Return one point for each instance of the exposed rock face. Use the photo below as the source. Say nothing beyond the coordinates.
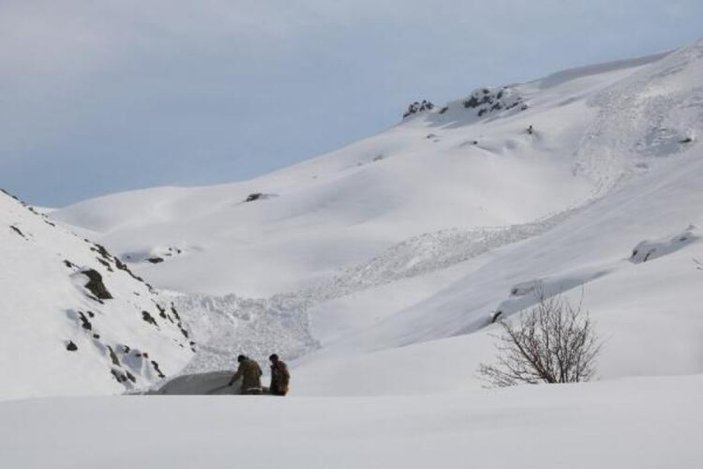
(417, 107)
(149, 318)
(95, 284)
(487, 101)
(254, 196)
(482, 103)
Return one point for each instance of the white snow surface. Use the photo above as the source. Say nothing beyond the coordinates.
(45, 305)
(375, 271)
(648, 423)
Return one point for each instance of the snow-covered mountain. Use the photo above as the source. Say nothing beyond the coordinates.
(377, 271)
(424, 231)
(75, 319)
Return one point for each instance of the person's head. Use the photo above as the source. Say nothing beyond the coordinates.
(241, 358)
(273, 358)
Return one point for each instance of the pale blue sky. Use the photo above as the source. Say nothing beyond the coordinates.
(112, 95)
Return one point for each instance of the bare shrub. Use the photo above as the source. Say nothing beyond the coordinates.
(554, 342)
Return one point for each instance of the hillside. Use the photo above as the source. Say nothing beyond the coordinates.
(418, 235)
(76, 320)
(377, 271)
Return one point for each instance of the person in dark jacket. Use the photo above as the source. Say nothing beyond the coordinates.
(280, 378)
(250, 374)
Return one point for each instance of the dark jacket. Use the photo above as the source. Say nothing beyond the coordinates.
(280, 378)
(250, 374)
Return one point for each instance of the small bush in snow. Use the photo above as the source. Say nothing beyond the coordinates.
(554, 342)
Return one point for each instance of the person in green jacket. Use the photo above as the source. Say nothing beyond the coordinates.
(250, 374)
(280, 377)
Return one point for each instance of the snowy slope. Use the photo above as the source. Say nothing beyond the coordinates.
(375, 271)
(437, 170)
(388, 249)
(341, 209)
(74, 319)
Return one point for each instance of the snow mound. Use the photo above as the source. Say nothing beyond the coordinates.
(212, 383)
(650, 250)
(155, 255)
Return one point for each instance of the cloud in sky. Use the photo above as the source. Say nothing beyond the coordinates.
(97, 97)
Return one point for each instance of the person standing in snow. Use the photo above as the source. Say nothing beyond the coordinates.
(280, 378)
(250, 373)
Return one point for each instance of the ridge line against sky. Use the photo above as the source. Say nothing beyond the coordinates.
(99, 97)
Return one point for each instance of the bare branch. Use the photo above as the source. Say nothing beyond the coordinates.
(554, 342)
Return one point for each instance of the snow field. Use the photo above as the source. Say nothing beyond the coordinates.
(617, 424)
